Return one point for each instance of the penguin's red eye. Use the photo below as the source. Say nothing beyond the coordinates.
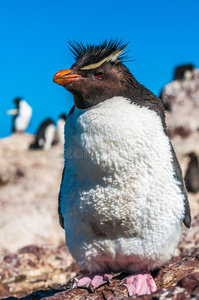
(99, 75)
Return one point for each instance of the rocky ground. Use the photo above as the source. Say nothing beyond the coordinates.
(35, 264)
(46, 270)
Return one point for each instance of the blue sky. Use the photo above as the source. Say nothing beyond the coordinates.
(34, 35)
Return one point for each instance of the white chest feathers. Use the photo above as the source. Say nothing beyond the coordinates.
(24, 116)
(122, 206)
(60, 131)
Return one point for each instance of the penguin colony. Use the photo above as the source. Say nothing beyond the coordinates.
(123, 202)
(47, 134)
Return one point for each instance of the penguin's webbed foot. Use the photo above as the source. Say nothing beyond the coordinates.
(139, 284)
(93, 281)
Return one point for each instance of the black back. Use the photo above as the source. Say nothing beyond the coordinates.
(16, 102)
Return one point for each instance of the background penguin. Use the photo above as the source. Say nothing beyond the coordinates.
(60, 128)
(192, 174)
(21, 115)
(183, 72)
(123, 203)
(45, 135)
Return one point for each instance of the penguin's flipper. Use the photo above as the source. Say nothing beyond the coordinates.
(71, 110)
(179, 178)
(61, 219)
(12, 112)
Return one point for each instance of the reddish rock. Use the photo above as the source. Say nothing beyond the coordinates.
(182, 98)
(176, 280)
(190, 282)
(33, 267)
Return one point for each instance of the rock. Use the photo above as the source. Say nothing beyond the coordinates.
(35, 267)
(29, 187)
(189, 243)
(190, 282)
(181, 285)
(182, 96)
(4, 176)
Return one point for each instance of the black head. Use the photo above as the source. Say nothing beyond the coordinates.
(181, 71)
(63, 116)
(98, 73)
(17, 101)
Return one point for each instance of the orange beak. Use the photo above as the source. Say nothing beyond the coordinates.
(65, 77)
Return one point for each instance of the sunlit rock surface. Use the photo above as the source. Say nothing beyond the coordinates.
(29, 187)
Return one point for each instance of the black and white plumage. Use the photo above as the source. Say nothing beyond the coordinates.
(192, 174)
(21, 115)
(122, 198)
(45, 136)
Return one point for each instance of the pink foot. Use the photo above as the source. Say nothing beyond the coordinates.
(139, 284)
(93, 281)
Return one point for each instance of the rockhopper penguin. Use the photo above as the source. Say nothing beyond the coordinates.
(122, 201)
